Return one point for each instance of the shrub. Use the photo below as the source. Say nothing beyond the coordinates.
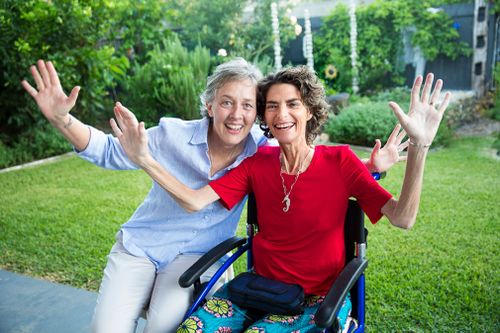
(40, 142)
(361, 124)
(169, 83)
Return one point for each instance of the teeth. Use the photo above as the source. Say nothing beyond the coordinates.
(234, 127)
(282, 126)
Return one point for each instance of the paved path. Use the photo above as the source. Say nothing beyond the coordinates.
(29, 305)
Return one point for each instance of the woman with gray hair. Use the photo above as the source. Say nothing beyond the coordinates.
(161, 240)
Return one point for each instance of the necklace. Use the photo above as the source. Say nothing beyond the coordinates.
(286, 198)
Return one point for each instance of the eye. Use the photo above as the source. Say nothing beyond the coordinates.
(271, 107)
(226, 103)
(293, 105)
(248, 106)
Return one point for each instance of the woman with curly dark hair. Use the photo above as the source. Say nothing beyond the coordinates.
(302, 194)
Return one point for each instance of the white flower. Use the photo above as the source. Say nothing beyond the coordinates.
(298, 29)
(222, 53)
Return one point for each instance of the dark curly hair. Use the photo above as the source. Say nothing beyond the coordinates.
(311, 91)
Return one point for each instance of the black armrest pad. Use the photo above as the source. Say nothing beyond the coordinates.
(326, 314)
(208, 259)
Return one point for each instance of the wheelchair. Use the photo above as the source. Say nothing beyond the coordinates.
(351, 280)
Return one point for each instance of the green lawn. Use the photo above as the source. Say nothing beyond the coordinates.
(58, 222)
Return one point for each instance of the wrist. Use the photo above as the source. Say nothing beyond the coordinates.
(62, 122)
(371, 166)
(419, 145)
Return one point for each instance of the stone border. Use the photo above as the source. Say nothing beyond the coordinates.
(39, 162)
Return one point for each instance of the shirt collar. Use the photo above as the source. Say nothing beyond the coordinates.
(200, 134)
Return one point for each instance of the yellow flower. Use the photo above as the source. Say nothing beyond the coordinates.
(330, 72)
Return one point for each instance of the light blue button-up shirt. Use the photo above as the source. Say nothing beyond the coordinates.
(160, 229)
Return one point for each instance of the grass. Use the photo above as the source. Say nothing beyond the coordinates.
(58, 222)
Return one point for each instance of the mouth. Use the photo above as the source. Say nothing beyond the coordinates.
(233, 128)
(284, 126)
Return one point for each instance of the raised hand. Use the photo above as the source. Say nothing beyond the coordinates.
(131, 134)
(422, 121)
(382, 159)
(49, 95)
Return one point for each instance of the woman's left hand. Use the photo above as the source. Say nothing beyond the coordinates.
(422, 121)
(131, 134)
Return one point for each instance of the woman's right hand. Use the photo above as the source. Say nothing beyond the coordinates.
(49, 95)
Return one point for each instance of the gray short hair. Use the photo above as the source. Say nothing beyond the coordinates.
(236, 69)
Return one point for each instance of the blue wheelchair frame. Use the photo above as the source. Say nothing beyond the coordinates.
(351, 279)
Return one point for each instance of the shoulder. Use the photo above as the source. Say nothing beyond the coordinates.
(334, 152)
(267, 151)
(178, 124)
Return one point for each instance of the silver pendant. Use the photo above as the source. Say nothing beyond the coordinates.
(286, 200)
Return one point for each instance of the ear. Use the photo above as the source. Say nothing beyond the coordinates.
(209, 109)
(309, 115)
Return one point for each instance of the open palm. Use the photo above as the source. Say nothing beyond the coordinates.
(422, 121)
(49, 95)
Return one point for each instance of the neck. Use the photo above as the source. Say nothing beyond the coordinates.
(295, 159)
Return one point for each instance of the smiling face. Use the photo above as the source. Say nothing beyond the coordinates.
(233, 112)
(285, 114)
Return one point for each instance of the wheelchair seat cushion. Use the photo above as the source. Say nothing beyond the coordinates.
(250, 290)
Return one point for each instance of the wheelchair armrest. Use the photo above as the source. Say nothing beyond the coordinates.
(327, 312)
(194, 272)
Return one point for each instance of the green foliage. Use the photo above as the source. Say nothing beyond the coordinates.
(211, 23)
(38, 143)
(90, 43)
(169, 83)
(494, 112)
(222, 24)
(379, 41)
(361, 124)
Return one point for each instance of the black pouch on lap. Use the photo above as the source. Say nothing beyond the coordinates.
(250, 290)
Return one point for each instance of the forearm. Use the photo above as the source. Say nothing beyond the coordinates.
(190, 199)
(403, 212)
(76, 132)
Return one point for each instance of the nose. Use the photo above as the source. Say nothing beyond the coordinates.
(237, 111)
(282, 109)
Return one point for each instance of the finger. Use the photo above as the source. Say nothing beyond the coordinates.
(376, 148)
(404, 145)
(445, 102)
(120, 119)
(415, 90)
(115, 128)
(402, 117)
(32, 91)
(37, 78)
(437, 91)
(54, 78)
(45, 74)
(142, 130)
(73, 96)
(394, 134)
(127, 114)
(400, 137)
(402, 158)
(427, 88)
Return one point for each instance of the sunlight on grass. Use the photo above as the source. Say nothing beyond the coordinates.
(58, 222)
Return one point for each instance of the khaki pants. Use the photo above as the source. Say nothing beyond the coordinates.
(131, 283)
